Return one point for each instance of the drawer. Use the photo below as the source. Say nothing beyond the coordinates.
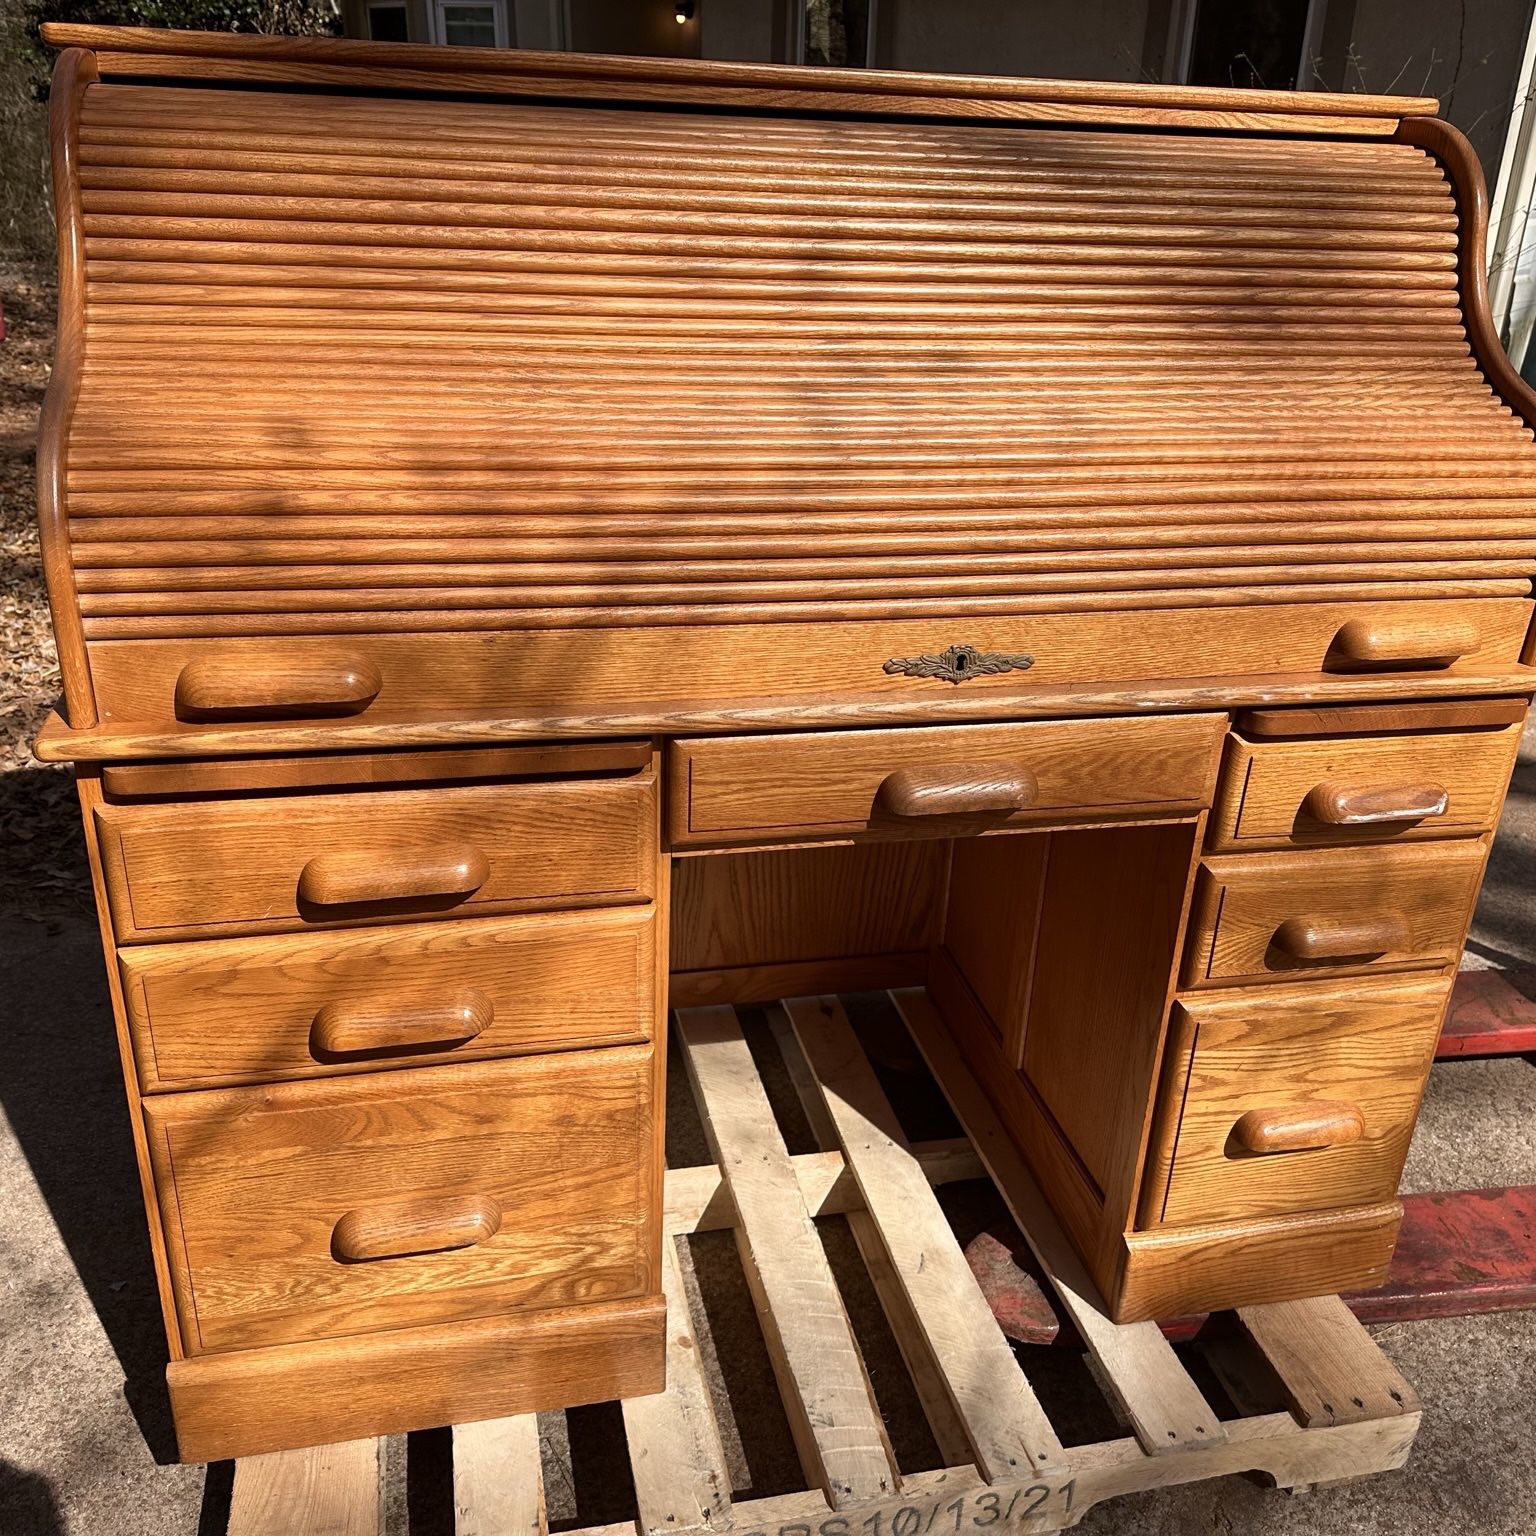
(1343, 789)
(269, 863)
(312, 1210)
(1331, 911)
(939, 780)
(1293, 1100)
(305, 1005)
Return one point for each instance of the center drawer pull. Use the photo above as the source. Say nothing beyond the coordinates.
(345, 685)
(347, 879)
(360, 1028)
(957, 789)
(1312, 939)
(1342, 805)
(1308, 1128)
(415, 1226)
(1372, 644)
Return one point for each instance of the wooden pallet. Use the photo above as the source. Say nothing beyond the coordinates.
(1348, 1411)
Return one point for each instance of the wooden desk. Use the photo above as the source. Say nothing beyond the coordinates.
(531, 534)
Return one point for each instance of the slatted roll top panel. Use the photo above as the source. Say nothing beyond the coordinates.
(357, 364)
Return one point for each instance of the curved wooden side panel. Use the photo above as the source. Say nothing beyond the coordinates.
(1450, 147)
(75, 71)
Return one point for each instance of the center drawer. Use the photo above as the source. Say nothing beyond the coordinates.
(938, 780)
(266, 863)
(227, 1011)
(1296, 1099)
(313, 1210)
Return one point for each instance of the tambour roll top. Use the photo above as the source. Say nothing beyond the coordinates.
(367, 366)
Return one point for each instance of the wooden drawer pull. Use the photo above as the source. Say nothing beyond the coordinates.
(1306, 939)
(343, 685)
(415, 1226)
(1366, 644)
(957, 789)
(1306, 1129)
(363, 1028)
(349, 879)
(1345, 805)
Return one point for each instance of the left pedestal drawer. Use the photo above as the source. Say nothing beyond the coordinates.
(305, 1211)
(275, 863)
(228, 1011)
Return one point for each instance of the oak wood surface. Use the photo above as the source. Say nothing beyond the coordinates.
(316, 770)
(217, 867)
(1380, 719)
(1266, 798)
(128, 741)
(74, 73)
(791, 906)
(835, 783)
(585, 68)
(561, 677)
(1241, 1263)
(255, 1181)
(1289, 1052)
(1320, 912)
(228, 1011)
(244, 1402)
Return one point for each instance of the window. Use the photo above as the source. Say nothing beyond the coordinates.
(470, 23)
(386, 22)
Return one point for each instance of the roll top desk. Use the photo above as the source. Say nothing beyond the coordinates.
(532, 535)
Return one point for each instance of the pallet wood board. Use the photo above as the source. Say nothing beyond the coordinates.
(1350, 1413)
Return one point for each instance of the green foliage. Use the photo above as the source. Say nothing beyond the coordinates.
(288, 16)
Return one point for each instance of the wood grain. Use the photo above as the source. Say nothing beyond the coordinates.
(72, 75)
(551, 680)
(826, 1394)
(1007, 1428)
(229, 1011)
(1242, 1263)
(1321, 912)
(255, 1180)
(328, 1490)
(215, 867)
(245, 1402)
(498, 1484)
(1267, 785)
(791, 906)
(1287, 1051)
(833, 783)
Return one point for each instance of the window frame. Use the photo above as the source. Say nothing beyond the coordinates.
(500, 10)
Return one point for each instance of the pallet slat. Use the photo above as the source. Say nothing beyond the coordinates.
(831, 1408)
(327, 1490)
(498, 1486)
(1159, 1398)
(1003, 1419)
(927, 1376)
(675, 1454)
(1329, 1367)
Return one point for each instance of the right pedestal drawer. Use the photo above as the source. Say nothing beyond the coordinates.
(1361, 788)
(1289, 1100)
(1331, 911)
(314, 1210)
